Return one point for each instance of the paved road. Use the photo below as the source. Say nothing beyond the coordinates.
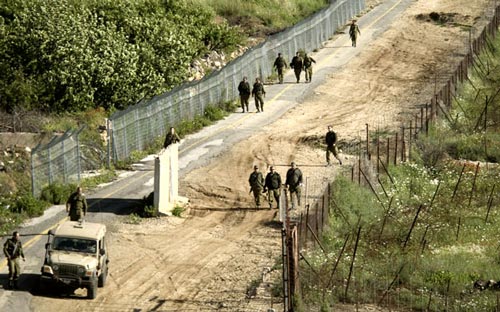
(196, 150)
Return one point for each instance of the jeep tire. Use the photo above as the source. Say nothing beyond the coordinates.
(92, 290)
(103, 276)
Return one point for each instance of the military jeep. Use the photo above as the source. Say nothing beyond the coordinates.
(76, 256)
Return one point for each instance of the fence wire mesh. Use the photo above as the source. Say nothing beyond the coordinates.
(56, 162)
(134, 128)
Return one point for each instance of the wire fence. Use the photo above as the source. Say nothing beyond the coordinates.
(139, 125)
(56, 162)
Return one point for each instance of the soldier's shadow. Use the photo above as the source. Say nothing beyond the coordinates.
(26, 282)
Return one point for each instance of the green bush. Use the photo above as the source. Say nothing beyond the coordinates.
(126, 51)
(28, 205)
(57, 193)
(177, 211)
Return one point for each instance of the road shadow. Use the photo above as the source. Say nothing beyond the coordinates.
(117, 206)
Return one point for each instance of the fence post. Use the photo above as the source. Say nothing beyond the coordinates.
(409, 141)
(367, 143)
(396, 150)
(388, 152)
(403, 149)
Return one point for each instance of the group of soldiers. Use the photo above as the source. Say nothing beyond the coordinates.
(298, 63)
(259, 93)
(272, 183)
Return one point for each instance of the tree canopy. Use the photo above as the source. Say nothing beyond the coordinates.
(72, 55)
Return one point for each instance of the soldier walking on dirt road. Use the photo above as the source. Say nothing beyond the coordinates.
(256, 182)
(297, 65)
(308, 67)
(280, 64)
(244, 89)
(258, 93)
(13, 250)
(294, 183)
(354, 32)
(76, 205)
(273, 187)
(331, 145)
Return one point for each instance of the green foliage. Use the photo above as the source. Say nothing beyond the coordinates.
(104, 176)
(29, 206)
(177, 211)
(264, 16)
(74, 55)
(133, 219)
(57, 193)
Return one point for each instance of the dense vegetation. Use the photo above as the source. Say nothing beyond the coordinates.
(431, 231)
(72, 55)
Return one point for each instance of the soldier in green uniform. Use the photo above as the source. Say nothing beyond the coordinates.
(297, 65)
(76, 205)
(13, 250)
(244, 89)
(280, 64)
(354, 32)
(308, 67)
(273, 187)
(331, 146)
(171, 138)
(258, 93)
(256, 182)
(294, 183)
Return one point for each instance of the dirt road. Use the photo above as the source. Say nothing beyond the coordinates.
(208, 260)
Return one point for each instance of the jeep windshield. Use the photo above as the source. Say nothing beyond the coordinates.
(74, 244)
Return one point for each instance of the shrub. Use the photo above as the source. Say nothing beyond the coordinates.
(178, 211)
(57, 193)
(27, 204)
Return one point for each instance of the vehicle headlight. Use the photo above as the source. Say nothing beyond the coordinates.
(81, 270)
(55, 267)
(47, 269)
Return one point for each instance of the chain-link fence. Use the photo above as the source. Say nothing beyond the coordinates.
(56, 162)
(134, 128)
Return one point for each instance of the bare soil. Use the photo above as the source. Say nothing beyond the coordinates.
(221, 255)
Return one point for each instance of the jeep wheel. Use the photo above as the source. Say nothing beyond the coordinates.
(92, 290)
(103, 276)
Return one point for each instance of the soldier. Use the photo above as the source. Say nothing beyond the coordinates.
(308, 67)
(76, 205)
(171, 138)
(280, 64)
(294, 183)
(273, 187)
(354, 32)
(297, 65)
(258, 93)
(331, 146)
(256, 184)
(244, 89)
(13, 249)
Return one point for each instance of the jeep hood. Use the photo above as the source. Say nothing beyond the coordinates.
(86, 260)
